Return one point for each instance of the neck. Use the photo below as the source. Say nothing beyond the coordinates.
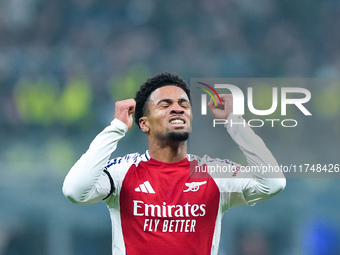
(168, 152)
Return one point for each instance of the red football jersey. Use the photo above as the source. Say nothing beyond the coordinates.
(167, 208)
(162, 208)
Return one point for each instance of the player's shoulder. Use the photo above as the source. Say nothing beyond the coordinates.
(128, 159)
(207, 159)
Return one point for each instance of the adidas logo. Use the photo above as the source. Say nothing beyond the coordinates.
(145, 188)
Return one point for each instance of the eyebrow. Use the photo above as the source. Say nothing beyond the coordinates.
(168, 100)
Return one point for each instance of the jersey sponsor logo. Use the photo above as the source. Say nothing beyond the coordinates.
(145, 187)
(194, 186)
(152, 225)
(168, 218)
(164, 211)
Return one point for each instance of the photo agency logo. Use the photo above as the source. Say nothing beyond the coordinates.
(295, 96)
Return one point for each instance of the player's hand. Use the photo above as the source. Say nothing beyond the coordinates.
(221, 111)
(124, 110)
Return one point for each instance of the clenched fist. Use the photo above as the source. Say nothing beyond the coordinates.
(124, 110)
(222, 111)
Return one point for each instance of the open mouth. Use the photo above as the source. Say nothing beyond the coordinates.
(177, 121)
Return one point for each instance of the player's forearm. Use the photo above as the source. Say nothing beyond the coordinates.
(267, 183)
(81, 183)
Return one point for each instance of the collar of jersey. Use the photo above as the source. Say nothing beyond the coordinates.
(147, 156)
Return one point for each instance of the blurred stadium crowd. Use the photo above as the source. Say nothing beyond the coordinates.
(100, 40)
(63, 64)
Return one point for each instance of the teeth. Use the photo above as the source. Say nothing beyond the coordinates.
(177, 122)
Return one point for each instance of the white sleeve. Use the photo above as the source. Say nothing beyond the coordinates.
(87, 182)
(253, 185)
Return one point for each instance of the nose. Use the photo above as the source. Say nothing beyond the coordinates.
(176, 109)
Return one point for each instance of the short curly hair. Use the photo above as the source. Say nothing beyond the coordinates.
(153, 83)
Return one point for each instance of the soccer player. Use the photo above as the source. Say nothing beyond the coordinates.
(156, 207)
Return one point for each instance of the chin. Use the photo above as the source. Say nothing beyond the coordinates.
(178, 136)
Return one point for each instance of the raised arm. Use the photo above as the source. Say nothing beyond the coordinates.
(254, 185)
(87, 182)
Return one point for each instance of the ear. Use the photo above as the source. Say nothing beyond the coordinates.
(143, 124)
